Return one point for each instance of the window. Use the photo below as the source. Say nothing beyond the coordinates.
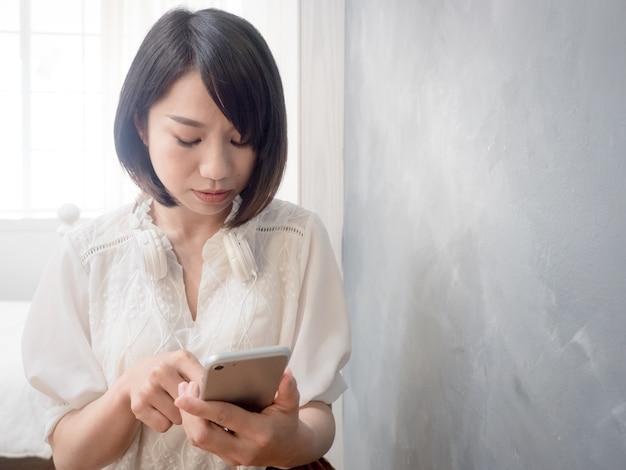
(53, 144)
(65, 62)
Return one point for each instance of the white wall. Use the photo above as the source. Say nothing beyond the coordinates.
(25, 247)
(484, 246)
(321, 133)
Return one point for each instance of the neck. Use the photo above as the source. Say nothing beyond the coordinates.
(178, 223)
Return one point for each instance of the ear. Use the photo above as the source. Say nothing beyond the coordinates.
(141, 129)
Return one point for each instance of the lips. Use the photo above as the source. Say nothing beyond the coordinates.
(212, 197)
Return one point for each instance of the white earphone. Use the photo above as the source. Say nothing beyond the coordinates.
(237, 249)
(240, 256)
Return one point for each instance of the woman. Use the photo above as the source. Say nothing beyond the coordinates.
(205, 261)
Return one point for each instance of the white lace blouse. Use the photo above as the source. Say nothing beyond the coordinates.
(96, 312)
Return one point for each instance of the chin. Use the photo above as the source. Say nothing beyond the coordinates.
(209, 209)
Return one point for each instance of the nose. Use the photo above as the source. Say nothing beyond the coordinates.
(214, 161)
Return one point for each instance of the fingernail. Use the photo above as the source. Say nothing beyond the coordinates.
(193, 390)
(182, 388)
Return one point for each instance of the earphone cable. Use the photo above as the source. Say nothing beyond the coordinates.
(242, 315)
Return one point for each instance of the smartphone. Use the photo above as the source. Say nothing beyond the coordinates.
(248, 378)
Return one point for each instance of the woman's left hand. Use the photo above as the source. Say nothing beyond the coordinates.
(273, 437)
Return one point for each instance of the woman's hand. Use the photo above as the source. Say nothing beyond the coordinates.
(99, 433)
(278, 436)
(152, 386)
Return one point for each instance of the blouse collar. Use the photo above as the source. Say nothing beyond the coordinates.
(140, 215)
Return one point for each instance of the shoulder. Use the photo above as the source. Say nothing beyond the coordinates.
(105, 231)
(290, 225)
(284, 216)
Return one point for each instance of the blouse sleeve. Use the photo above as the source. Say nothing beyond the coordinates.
(57, 356)
(322, 337)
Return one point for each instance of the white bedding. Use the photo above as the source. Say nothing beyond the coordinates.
(21, 420)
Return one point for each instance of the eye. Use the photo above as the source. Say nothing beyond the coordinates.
(239, 144)
(187, 144)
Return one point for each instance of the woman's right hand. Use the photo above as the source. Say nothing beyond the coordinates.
(99, 433)
(151, 386)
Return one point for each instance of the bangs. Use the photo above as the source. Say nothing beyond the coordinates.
(239, 105)
(233, 71)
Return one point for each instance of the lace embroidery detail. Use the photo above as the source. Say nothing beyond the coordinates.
(282, 228)
(104, 246)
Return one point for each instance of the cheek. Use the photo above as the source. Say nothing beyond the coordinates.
(166, 162)
(246, 165)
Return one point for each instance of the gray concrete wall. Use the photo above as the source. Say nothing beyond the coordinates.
(485, 234)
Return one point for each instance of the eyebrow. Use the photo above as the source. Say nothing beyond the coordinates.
(185, 121)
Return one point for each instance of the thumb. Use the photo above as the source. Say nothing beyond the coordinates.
(287, 397)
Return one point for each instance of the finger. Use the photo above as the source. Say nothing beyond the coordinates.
(154, 396)
(153, 416)
(192, 390)
(155, 420)
(188, 366)
(161, 391)
(215, 411)
(212, 438)
(287, 397)
(225, 415)
(164, 403)
(181, 365)
(201, 432)
(182, 388)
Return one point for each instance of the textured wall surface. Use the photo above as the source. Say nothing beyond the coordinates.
(485, 234)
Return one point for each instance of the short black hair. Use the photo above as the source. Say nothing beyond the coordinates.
(240, 74)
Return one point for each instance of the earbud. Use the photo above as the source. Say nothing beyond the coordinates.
(237, 250)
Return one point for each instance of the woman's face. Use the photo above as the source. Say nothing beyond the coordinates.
(195, 151)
